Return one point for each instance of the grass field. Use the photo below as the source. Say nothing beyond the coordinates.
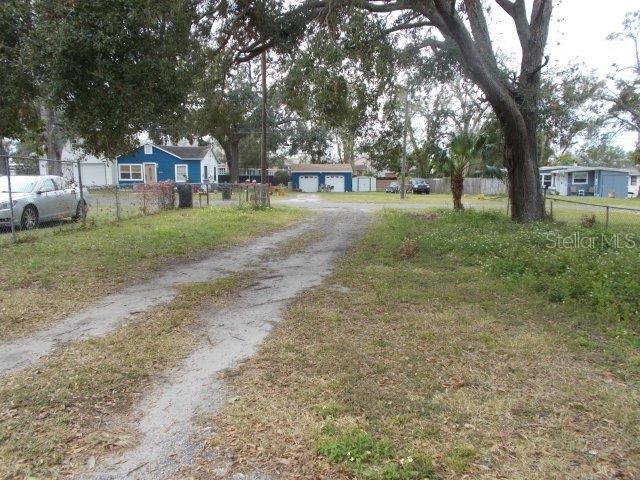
(571, 212)
(457, 346)
(435, 200)
(49, 275)
(438, 199)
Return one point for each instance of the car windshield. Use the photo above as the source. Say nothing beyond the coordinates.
(18, 184)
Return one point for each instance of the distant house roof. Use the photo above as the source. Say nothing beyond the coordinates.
(552, 168)
(593, 169)
(322, 167)
(186, 153)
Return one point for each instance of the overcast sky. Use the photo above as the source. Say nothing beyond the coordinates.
(579, 35)
(580, 32)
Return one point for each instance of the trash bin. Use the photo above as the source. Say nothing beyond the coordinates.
(226, 192)
(185, 196)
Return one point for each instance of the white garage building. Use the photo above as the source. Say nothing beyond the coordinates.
(96, 171)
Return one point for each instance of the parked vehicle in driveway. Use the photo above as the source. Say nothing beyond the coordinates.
(419, 186)
(40, 198)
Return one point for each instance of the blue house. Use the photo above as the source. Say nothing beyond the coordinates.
(311, 177)
(152, 163)
(586, 181)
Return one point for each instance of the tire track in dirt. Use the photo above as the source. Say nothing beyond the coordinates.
(116, 309)
(164, 418)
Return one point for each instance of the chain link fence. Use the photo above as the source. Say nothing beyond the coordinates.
(621, 214)
(38, 193)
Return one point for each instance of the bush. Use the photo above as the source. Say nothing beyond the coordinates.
(281, 178)
(160, 195)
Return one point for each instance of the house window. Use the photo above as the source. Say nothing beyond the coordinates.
(206, 172)
(546, 180)
(182, 173)
(580, 178)
(222, 170)
(148, 149)
(634, 180)
(130, 172)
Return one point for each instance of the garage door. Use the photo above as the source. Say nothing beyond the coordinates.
(336, 181)
(365, 184)
(94, 174)
(309, 183)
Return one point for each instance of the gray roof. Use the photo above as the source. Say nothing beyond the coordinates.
(577, 168)
(186, 153)
(321, 167)
(592, 169)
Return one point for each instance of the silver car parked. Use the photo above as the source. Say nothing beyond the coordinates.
(40, 198)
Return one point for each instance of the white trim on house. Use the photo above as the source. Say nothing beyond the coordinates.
(186, 174)
(144, 170)
(586, 178)
(148, 149)
(120, 179)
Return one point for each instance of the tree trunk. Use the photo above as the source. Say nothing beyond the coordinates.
(231, 152)
(3, 159)
(457, 187)
(521, 162)
(52, 150)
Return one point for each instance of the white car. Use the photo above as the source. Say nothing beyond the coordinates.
(40, 198)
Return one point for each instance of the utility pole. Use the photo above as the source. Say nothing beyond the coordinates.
(403, 165)
(263, 133)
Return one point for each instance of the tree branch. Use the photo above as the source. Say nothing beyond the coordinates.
(407, 26)
(480, 31)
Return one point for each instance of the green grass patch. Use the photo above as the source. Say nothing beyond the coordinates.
(65, 270)
(359, 453)
(582, 266)
(446, 346)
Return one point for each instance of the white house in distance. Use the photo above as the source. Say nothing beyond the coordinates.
(96, 171)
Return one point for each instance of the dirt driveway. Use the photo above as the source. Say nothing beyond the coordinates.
(279, 267)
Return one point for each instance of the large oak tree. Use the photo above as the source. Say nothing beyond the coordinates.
(462, 29)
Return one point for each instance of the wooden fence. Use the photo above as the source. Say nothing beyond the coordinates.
(472, 186)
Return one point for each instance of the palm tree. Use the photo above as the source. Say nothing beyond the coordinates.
(465, 150)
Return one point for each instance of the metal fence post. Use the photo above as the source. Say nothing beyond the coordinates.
(13, 225)
(551, 209)
(83, 206)
(144, 200)
(117, 203)
(606, 221)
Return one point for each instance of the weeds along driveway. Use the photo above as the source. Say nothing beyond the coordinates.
(116, 309)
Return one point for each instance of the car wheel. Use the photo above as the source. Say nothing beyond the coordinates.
(30, 219)
(81, 211)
